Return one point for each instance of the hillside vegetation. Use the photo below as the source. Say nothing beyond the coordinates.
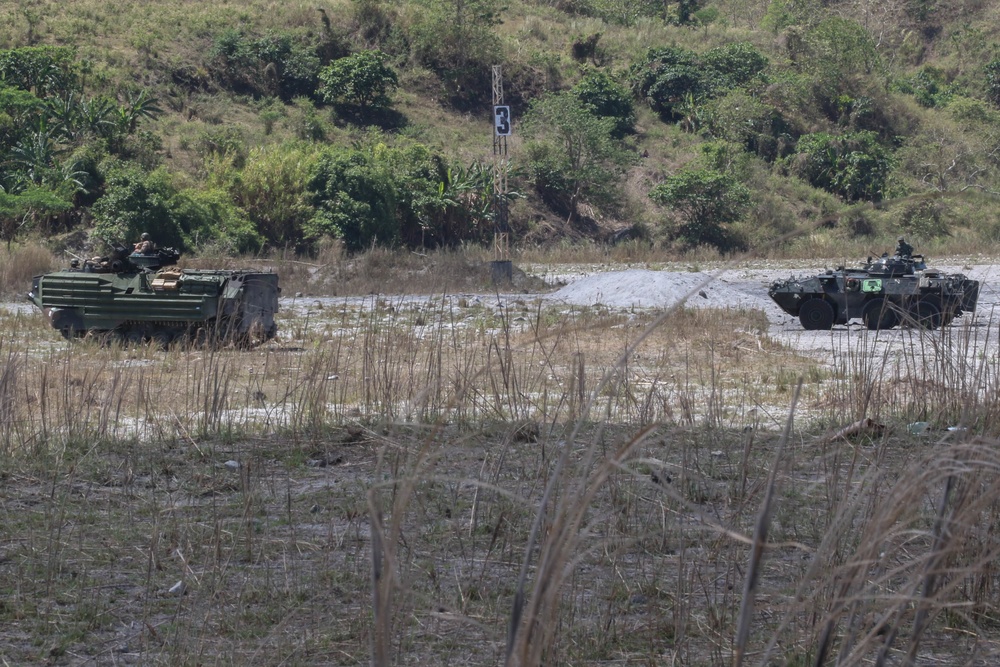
(783, 126)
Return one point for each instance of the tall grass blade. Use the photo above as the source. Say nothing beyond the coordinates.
(759, 540)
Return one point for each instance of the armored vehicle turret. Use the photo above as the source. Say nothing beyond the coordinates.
(885, 292)
(138, 298)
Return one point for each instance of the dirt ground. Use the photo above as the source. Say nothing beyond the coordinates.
(241, 550)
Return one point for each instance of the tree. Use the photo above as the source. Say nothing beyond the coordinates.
(572, 153)
(669, 78)
(665, 77)
(35, 165)
(992, 70)
(18, 211)
(134, 202)
(841, 56)
(209, 217)
(354, 201)
(383, 193)
(734, 64)
(363, 79)
(460, 208)
(706, 201)
(276, 64)
(743, 119)
(685, 8)
(269, 185)
(604, 98)
(42, 70)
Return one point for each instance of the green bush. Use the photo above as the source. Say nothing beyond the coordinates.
(854, 165)
(20, 211)
(353, 200)
(216, 141)
(667, 77)
(928, 86)
(572, 154)
(134, 202)
(208, 218)
(269, 188)
(782, 14)
(992, 76)
(841, 56)
(19, 114)
(382, 194)
(457, 40)
(605, 98)
(706, 201)
(85, 163)
(734, 64)
(277, 64)
(972, 110)
(362, 78)
(43, 70)
(742, 118)
(925, 219)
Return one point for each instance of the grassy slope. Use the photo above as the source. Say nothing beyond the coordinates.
(144, 44)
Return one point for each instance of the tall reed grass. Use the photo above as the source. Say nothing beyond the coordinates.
(18, 265)
(429, 481)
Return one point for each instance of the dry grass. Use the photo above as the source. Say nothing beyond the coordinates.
(17, 266)
(333, 272)
(444, 480)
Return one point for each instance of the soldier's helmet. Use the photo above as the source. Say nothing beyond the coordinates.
(145, 236)
(902, 238)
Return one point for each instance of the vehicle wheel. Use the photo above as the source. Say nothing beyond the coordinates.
(926, 314)
(69, 324)
(202, 338)
(161, 340)
(134, 337)
(816, 315)
(949, 308)
(107, 338)
(878, 314)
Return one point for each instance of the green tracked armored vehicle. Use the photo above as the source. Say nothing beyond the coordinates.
(144, 298)
(886, 292)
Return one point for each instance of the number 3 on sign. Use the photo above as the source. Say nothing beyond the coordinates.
(501, 121)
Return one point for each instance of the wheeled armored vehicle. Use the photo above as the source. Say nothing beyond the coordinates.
(144, 298)
(884, 293)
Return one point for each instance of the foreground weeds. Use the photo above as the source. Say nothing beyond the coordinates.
(442, 480)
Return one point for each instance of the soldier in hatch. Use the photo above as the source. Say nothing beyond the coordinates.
(903, 249)
(145, 246)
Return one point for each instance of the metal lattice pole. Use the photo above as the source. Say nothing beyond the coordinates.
(501, 224)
